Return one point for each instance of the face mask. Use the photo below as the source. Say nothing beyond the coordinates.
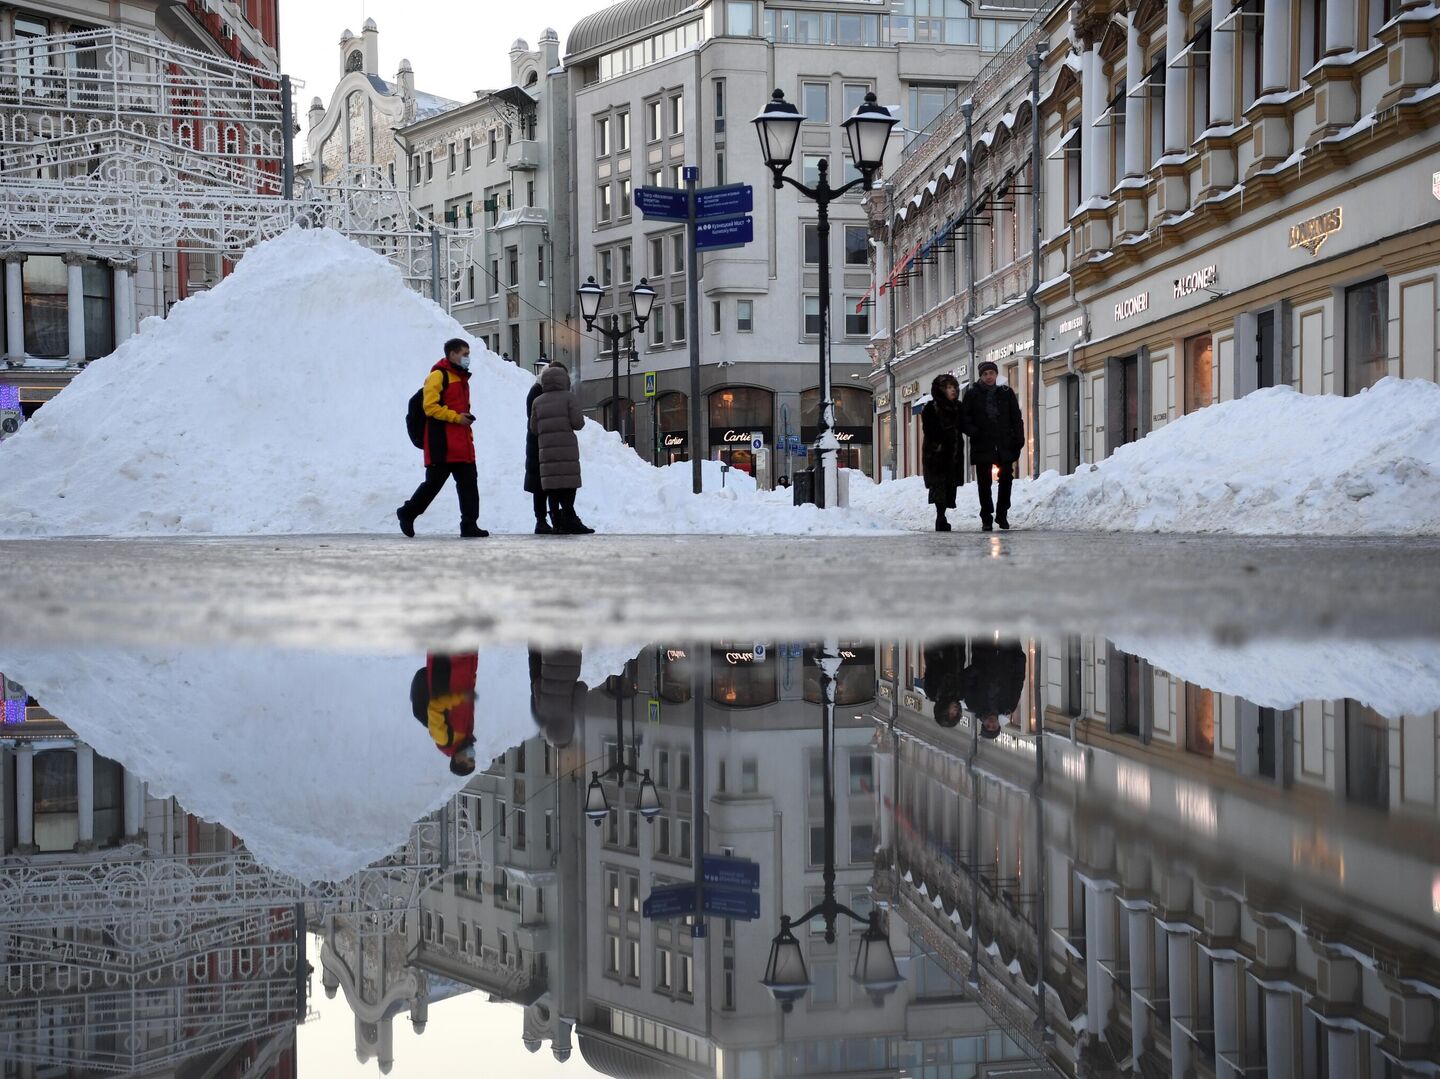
(462, 362)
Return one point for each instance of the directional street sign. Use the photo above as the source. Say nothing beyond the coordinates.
(666, 203)
(724, 201)
(671, 901)
(717, 233)
(738, 903)
(718, 869)
(649, 383)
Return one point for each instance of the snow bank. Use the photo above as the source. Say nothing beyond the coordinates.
(274, 403)
(314, 760)
(1396, 678)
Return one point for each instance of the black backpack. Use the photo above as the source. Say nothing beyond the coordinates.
(420, 696)
(415, 418)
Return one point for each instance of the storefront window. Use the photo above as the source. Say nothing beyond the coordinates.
(1366, 334)
(1199, 720)
(47, 332)
(99, 311)
(675, 674)
(56, 801)
(736, 415)
(854, 411)
(1199, 373)
(741, 679)
(855, 682)
(672, 417)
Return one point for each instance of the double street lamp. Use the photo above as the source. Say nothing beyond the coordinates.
(597, 805)
(867, 131)
(875, 969)
(642, 299)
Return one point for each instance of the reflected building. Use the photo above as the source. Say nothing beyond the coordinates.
(1155, 877)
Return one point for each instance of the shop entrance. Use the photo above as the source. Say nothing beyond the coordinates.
(1267, 370)
(1071, 462)
(1122, 384)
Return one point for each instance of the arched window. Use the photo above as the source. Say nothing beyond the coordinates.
(741, 406)
(853, 407)
(739, 678)
(355, 61)
(855, 684)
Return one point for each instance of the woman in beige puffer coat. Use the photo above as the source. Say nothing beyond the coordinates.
(554, 418)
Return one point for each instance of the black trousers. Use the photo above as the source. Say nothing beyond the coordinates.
(539, 501)
(562, 503)
(466, 486)
(982, 481)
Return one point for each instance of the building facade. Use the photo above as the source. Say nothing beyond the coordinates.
(500, 165)
(78, 279)
(1232, 196)
(658, 87)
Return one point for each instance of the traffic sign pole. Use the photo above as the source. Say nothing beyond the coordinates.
(692, 301)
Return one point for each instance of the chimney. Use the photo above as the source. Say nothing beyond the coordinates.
(370, 34)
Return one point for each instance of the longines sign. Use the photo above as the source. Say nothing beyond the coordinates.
(1313, 233)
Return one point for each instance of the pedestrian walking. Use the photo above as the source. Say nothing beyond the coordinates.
(557, 696)
(944, 680)
(997, 435)
(554, 418)
(994, 681)
(532, 465)
(442, 696)
(942, 425)
(449, 442)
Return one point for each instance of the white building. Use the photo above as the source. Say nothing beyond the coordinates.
(501, 164)
(659, 85)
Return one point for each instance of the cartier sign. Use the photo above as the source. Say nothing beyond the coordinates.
(673, 441)
(1313, 233)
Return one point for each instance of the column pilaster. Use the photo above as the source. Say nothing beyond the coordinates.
(25, 799)
(75, 305)
(1174, 184)
(85, 797)
(14, 308)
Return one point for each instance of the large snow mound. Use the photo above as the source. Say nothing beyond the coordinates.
(274, 403)
(1275, 462)
(315, 760)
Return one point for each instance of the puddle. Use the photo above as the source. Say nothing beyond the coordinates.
(1034, 856)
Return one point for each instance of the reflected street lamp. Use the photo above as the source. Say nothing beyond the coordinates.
(597, 803)
(642, 300)
(867, 133)
(876, 971)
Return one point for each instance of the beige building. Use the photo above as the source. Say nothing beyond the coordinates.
(1232, 196)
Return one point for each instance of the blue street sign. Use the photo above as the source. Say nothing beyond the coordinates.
(740, 904)
(671, 901)
(719, 869)
(666, 203)
(716, 233)
(692, 172)
(724, 201)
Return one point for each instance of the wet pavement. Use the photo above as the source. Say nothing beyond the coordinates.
(1145, 851)
(361, 593)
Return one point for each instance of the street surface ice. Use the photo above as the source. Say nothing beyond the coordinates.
(273, 404)
(315, 760)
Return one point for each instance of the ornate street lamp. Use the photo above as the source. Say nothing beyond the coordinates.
(868, 133)
(597, 804)
(642, 300)
(876, 971)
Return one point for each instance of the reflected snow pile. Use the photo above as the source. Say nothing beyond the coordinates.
(274, 404)
(1275, 462)
(1395, 678)
(315, 760)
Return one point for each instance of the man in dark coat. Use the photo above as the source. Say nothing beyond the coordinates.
(944, 679)
(449, 443)
(997, 435)
(554, 419)
(994, 681)
(532, 465)
(942, 425)
(557, 696)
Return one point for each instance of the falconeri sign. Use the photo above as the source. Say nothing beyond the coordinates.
(1311, 234)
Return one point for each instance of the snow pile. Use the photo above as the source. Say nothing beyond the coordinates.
(274, 403)
(1273, 462)
(1396, 678)
(315, 760)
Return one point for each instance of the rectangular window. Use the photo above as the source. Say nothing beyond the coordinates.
(749, 775)
(652, 121)
(812, 316)
(852, 96)
(467, 151)
(862, 844)
(662, 837)
(857, 245)
(602, 204)
(602, 137)
(662, 968)
(862, 772)
(719, 168)
(633, 971)
(744, 316)
(627, 269)
(740, 18)
(1199, 373)
(633, 888)
(529, 192)
(453, 159)
(607, 269)
(677, 253)
(623, 130)
(718, 87)
(812, 244)
(815, 98)
(655, 178)
(684, 851)
(512, 263)
(632, 825)
(519, 829)
(625, 197)
(684, 783)
(714, 316)
(492, 145)
(679, 324)
(1366, 334)
(502, 819)
(810, 168)
(494, 277)
(429, 165)
(540, 264)
(549, 817)
(612, 955)
(677, 114)
(677, 175)
(687, 975)
(857, 323)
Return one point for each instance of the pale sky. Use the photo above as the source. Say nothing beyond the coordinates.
(456, 48)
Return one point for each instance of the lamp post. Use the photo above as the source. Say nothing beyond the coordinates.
(642, 299)
(597, 805)
(868, 132)
(875, 969)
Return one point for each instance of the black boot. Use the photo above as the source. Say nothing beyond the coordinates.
(542, 527)
(473, 532)
(941, 524)
(407, 523)
(573, 525)
(1003, 521)
(986, 525)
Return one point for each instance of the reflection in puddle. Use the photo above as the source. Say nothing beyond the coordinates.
(1072, 855)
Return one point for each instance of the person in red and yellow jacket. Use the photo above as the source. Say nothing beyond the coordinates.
(449, 443)
(450, 707)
